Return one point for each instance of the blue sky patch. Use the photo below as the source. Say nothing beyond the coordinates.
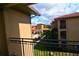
(50, 11)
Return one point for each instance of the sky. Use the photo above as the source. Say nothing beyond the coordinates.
(49, 11)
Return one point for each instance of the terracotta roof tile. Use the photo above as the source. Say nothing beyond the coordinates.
(40, 24)
(76, 14)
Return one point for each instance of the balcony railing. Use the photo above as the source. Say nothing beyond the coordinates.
(50, 47)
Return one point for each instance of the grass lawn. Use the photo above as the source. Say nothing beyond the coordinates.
(47, 53)
(41, 50)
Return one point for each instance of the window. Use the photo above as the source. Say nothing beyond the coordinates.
(63, 34)
(62, 24)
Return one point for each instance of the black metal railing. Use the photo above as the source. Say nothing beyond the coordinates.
(50, 47)
(21, 41)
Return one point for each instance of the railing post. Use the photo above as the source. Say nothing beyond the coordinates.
(23, 47)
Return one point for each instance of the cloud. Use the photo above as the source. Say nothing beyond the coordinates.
(53, 11)
(59, 9)
(50, 11)
(44, 18)
(41, 19)
(43, 10)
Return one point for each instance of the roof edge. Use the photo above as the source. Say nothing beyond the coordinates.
(34, 9)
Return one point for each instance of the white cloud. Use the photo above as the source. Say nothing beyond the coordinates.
(43, 11)
(55, 10)
(52, 11)
(58, 9)
(44, 18)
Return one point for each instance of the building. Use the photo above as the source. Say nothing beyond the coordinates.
(38, 30)
(35, 33)
(67, 27)
(15, 25)
(42, 28)
(34, 29)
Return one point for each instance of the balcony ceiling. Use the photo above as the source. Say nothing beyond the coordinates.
(22, 7)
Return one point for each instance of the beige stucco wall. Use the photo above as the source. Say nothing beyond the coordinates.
(17, 25)
(73, 29)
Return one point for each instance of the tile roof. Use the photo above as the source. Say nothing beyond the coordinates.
(76, 14)
(33, 28)
(40, 24)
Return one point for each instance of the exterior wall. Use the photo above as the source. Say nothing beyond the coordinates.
(73, 29)
(42, 27)
(18, 25)
(39, 28)
(58, 30)
(3, 44)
